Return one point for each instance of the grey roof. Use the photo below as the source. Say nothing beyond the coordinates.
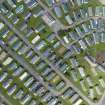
(103, 37)
(10, 14)
(12, 89)
(65, 6)
(23, 27)
(17, 45)
(29, 54)
(29, 32)
(18, 71)
(12, 39)
(27, 15)
(69, 92)
(58, 11)
(46, 71)
(23, 49)
(12, 66)
(32, 102)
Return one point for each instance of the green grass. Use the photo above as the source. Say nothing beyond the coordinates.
(95, 49)
(17, 81)
(33, 23)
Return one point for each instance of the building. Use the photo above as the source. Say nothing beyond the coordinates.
(58, 11)
(83, 45)
(69, 19)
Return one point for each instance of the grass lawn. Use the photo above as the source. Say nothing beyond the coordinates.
(96, 49)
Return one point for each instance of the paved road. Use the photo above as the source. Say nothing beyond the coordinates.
(29, 68)
(76, 24)
(32, 71)
(35, 50)
(48, 10)
(86, 34)
(82, 21)
(30, 45)
(1, 1)
(56, 69)
(65, 27)
(102, 101)
(4, 99)
(57, 20)
(59, 24)
(68, 46)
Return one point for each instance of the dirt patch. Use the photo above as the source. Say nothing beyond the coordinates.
(101, 58)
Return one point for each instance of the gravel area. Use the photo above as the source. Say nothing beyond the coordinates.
(102, 1)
